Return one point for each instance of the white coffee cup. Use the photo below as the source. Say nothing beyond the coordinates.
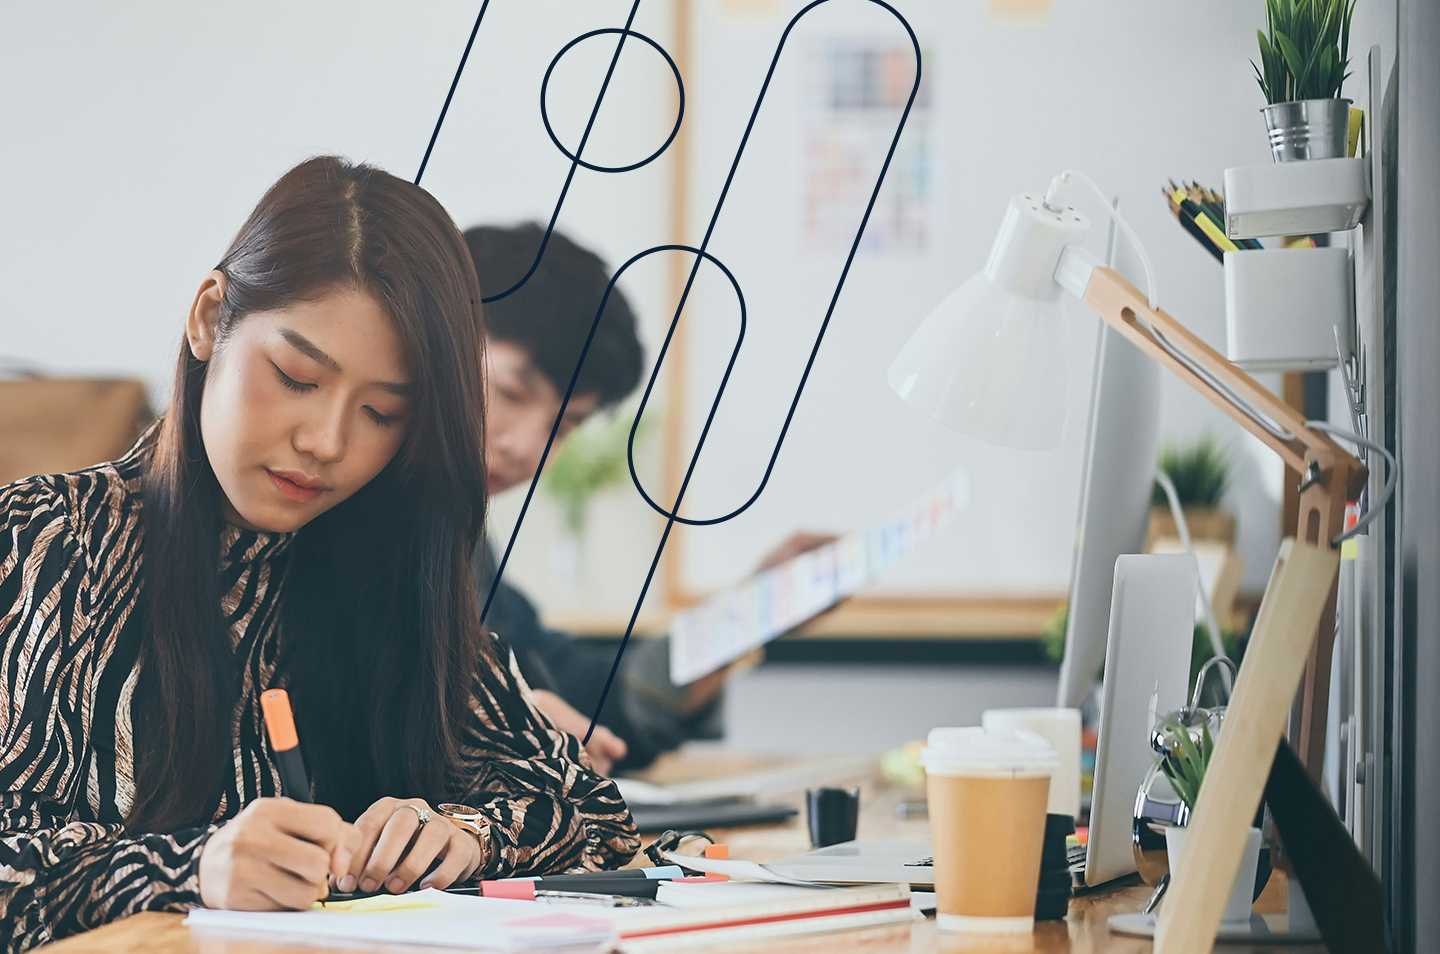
(1059, 727)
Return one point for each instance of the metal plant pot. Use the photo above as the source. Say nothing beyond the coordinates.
(1308, 129)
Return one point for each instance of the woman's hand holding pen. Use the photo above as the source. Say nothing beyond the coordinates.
(276, 854)
(396, 849)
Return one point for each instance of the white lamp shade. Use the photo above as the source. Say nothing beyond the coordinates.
(989, 363)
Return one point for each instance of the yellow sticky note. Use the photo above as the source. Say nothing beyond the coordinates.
(376, 905)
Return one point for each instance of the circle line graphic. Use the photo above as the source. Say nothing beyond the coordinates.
(545, 112)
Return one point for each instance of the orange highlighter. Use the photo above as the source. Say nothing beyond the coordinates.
(280, 723)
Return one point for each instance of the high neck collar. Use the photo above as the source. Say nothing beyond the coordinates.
(239, 546)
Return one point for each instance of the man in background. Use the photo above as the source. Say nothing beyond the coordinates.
(533, 338)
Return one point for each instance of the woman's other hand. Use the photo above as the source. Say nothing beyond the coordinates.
(396, 850)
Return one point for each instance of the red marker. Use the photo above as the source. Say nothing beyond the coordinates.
(280, 723)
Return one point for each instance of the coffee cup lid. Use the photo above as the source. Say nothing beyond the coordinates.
(974, 749)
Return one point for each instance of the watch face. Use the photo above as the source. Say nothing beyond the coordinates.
(457, 810)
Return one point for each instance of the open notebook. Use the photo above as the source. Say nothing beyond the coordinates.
(431, 918)
(490, 924)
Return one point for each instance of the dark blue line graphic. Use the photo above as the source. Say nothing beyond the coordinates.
(575, 160)
(540, 252)
(575, 157)
(672, 515)
(701, 254)
(440, 121)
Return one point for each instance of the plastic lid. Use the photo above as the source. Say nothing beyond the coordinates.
(973, 749)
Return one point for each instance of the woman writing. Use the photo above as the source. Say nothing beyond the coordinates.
(302, 516)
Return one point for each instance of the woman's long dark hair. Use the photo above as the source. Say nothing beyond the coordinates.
(380, 624)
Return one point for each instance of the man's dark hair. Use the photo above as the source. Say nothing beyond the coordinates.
(550, 315)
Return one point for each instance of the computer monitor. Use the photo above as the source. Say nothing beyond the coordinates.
(1147, 664)
(1121, 446)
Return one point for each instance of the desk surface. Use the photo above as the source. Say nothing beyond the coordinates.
(1083, 931)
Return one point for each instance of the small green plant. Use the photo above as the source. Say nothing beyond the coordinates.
(1200, 473)
(1052, 637)
(592, 458)
(1304, 49)
(1186, 759)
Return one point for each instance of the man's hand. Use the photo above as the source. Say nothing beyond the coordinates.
(703, 691)
(801, 541)
(605, 748)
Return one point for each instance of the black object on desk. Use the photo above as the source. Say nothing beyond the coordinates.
(720, 813)
(832, 814)
(1052, 897)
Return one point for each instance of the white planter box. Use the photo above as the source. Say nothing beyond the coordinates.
(1283, 307)
(1296, 198)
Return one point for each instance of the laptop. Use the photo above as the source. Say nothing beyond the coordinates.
(1147, 666)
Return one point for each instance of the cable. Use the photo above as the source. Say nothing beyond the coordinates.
(1217, 640)
(1065, 177)
(1392, 478)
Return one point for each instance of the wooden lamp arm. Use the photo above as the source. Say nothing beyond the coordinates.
(1124, 308)
(1332, 476)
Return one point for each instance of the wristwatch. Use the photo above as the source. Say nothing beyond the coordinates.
(470, 819)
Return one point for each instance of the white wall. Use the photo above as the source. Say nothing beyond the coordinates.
(1133, 93)
(133, 141)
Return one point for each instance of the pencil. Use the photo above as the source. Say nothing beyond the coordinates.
(280, 723)
(1188, 206)
(1187, 222)
(1214, 206)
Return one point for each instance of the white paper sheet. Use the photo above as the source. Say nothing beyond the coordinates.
(730, 624)
(762, 783)
(431, 918)
(728, 893)
(736, 869)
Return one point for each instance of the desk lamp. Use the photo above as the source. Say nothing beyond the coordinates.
(989, 361)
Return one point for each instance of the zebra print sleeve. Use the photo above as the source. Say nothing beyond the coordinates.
(550, 810)
(60, 875)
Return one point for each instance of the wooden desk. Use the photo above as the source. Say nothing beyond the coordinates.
(1083, 931)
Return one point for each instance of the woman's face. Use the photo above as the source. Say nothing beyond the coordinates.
(302, 406)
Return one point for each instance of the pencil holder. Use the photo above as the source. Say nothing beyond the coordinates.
(1284, 308)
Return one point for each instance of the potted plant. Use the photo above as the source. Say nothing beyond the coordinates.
(1304, 60)
(1201, 475)
(590, 460)
(1189, 745)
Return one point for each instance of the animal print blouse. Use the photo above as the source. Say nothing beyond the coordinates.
(71, 552)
